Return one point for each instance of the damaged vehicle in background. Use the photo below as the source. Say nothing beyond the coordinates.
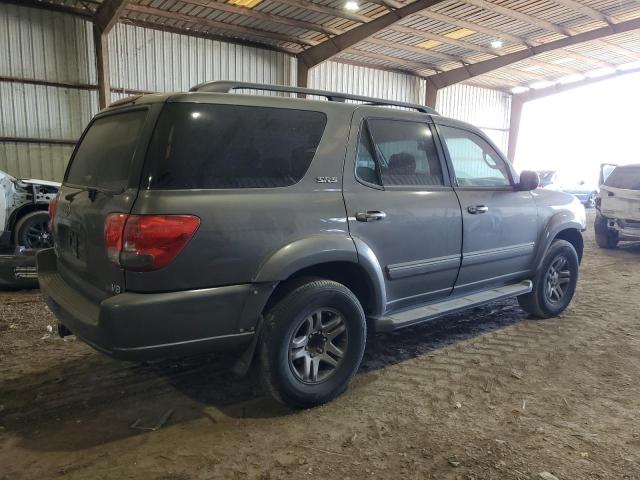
(584, 191)
(24, 220)
(618, 205)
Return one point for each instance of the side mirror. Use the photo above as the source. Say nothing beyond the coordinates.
(529, 180)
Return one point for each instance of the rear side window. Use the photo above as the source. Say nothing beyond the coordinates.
(204, 146)
(405, 151)
(103, 158)
(627, 178)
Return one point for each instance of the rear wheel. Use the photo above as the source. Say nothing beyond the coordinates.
(32, 231)
(554, 283)
(312, 345)
(605, 237)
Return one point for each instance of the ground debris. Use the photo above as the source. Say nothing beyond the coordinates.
(546, 476)
(161, 421)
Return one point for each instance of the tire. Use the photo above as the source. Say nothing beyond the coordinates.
(591, 200)
(545, 301)
(32, 231)
(292, 338)
(605, 237)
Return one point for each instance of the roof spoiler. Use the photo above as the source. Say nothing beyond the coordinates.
(229, 86)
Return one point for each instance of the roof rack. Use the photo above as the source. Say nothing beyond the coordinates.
(227, 86)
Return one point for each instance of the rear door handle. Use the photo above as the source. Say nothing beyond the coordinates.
(475, 209)
(370, 216)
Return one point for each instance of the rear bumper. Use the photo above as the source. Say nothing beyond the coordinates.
(139, 326)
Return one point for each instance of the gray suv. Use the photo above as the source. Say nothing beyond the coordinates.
(282, 228)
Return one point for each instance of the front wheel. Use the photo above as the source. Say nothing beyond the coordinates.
(312, 345)
(554, 283)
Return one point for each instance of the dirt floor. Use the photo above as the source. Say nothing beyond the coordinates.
(489, 394)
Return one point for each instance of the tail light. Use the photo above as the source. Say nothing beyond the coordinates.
(143, 243)
(53, 206)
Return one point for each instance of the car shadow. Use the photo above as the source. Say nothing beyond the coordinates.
(89, 400)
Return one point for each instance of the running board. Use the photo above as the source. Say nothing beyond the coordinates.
(424, 313)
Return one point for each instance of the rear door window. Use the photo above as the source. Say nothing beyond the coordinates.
(627, 178)
(103, 158)
(405, 151)
(205, 146)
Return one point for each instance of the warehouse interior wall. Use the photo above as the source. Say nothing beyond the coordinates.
(48, 82)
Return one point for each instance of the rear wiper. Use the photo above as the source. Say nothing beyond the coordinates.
(92, 191)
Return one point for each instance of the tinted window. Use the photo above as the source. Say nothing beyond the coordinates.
(104, 157)
(406, 152)
(627, 178)
(365, 160)
(474, 161)
(229, 146)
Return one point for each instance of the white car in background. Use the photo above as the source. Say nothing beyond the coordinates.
(24, 220)
(618, 205)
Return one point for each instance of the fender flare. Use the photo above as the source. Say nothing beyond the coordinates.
(320, 249)
(564, 220)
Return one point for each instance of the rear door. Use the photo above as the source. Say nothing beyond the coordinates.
(102, 178)
(500, 224)
(400, 203)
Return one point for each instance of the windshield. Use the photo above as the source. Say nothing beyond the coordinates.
(104, 157)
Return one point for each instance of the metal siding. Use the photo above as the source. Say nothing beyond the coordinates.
(485, 108)
(152, 60)
(345, 78)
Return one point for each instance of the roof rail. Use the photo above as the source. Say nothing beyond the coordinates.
(227, 86)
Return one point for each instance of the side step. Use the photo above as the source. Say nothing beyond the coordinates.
(405, 318)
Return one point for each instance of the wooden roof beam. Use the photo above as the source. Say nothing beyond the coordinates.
(418, 50)
(457, 75)
(444, 39)
(396, 60)
(332, 47)
(108, 13)
(334, 12)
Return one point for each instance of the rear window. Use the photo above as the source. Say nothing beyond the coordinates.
(104, 157)
(627, 178)
(204, 146)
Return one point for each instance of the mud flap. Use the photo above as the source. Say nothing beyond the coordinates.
(242, 365)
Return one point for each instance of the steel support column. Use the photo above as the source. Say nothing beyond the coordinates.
(514, 126)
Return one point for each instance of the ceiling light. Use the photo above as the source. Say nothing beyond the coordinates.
(542, 84)
(351, 6)
(496, 44)
(460, 33)
(245, 3)
(429, 44)
(600, 72)
(576, 77)
(517, 90)
(629, 66)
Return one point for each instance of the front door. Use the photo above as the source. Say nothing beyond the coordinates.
(401, 205)
(500, 222)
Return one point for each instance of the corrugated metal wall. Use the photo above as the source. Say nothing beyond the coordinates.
(340, 77)
(485, 108)
(48, 46)
(151, 60)
(43, 45)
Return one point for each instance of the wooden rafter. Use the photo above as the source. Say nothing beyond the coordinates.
(334, 12)
(461, 74)
(108, 13)
(348, 39)
(418, 50)
(444, 39)
(397, 60)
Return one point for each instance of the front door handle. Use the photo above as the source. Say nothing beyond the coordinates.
(370, 216)
(475, 209)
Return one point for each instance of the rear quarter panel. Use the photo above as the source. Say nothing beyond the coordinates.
(242, 229)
